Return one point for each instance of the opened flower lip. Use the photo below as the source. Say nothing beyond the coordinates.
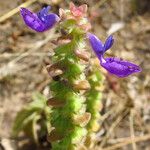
(40, 21)
(115, 66)
(120, 67)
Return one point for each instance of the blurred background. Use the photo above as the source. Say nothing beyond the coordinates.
(125, 122)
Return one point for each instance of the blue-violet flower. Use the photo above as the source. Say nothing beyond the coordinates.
(40, 21)
(113, 65)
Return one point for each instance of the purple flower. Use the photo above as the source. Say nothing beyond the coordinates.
(113, 65)
(41, 21)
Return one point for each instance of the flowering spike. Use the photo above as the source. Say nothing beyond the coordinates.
(41, 21)
(72, 112)
(109, 42)
(115, 66)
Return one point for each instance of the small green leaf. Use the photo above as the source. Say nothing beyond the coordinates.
(30, 114)
(22, 119)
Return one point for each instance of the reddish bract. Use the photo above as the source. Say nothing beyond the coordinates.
(78, 11)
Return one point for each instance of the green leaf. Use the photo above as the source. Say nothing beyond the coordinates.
(22, 119)
(30, 113)
(31, 128)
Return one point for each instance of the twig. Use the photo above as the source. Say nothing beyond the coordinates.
(132, 130)
(8, 55)
(105, 116)
(15, 10)
(37, 45)
(128, 141)
(116, 122)
(12, 67)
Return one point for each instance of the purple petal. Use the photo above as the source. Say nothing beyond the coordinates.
(44, 12)
(95, 43)
(109, 42)
(41, 21)
(119, 67)
(51, 20)
(32, 20)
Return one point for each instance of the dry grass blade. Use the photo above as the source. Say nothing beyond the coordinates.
(12, 67)
(132, 130)
(37, 45)
(9, 55)
(15, 10)
(113, 126)
(128, 141)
